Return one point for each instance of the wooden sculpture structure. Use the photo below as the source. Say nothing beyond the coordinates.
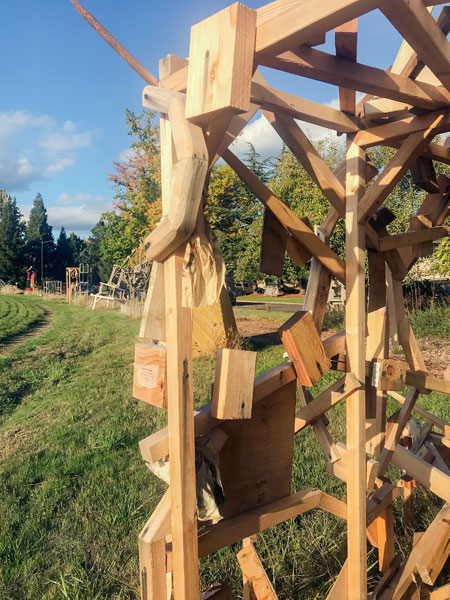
(244, 439)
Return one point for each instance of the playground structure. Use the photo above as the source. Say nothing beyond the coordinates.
(229, 465)
(53, 287)
(72, 282)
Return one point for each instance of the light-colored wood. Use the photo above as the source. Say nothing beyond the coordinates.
(339, 589)
(155, 447)
(424, 381)
(417, 26)
(413, 237)
(153, 323)
(386, 579)
(392, 308)
(380, 500)
(337, 392)
(442, 593)
(152, 551)
(439, 423)
(233, 384)
(393, 437)
(317, 291)
(273, 245)
(298, 229)
(150, 374)
(420, 225)
(389, 374)
(384, 108)
(333, 505)
(213, 326)
(428, 555)
(314, 64)
(221, 63)
(301, 339)
(377, 346)
(355, 340)
(253, 572)
(427, 475)
(410, 150)
(345, 40)
(334, 344)
(181, 434)
(340, 469)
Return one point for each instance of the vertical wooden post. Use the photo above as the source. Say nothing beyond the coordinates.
(355, 330)
(181, 434)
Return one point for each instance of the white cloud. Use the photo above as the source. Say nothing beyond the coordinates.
(268, 143)
(34, 148)
(79, 212)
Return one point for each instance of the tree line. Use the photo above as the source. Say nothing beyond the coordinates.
(233, 212)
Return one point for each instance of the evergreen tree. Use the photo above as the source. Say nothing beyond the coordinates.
(39, 232)
(64, 255)
(12, 247)
(77, 245)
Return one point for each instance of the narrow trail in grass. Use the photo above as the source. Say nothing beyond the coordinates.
(35, 329)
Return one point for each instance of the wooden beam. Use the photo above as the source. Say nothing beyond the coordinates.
(253, 572)
(413, 237)
(318, 288)
(300, 231)
(233, 384)
(417, 26)
(340, 468)
(346, 40)
(437, 422)
(339, 588)
(181, 433)
(326, 400)
(273, 245)
(321, 66)
(427, 382)
(430, 477)
(355, 328)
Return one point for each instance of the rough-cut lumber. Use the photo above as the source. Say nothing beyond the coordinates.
(340, 586)
(340, 468)
(442, 593)
(393, 437)
(221, 63)
(337, 392)
(417, 26)
(153, 323)
(302, 233)
(273, 245)
(385, 538)
(218, 591)
(439, 423)
(345, 41)
(301, 339)
(386, 579)
(181, 433)
(422, 224)
(253, 572)
(233, 384)
(152, 551)
(213, 326)
(377, 347)
(413, 237)
(380, 500)
(424, 175)
(335, 344)
(321, 66)
(382, 108)
(425, 474)
(150, 374)
(424, 381)
(355, 340)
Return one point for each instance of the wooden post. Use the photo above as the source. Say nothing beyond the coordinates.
(355, 328)
(181, 434)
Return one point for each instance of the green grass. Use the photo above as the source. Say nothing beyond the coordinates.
(75, 492)
(270, 299)
(17, 313)
(434, 322)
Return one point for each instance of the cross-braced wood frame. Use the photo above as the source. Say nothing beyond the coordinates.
(205, 102)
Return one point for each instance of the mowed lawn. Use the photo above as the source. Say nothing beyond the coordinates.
(74, 491)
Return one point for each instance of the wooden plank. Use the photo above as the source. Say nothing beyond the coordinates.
(439, 423)
(377, 346)
(418, 27)
(424, 175)
(413, 237)
(218, 591)
(340, 468)
(304, 347)
(152, 551)
(345, 40)
(413, 147)
(428, 555)
(299, 230)
(253, 571)
(286, 24)
(421, 223)
(221, 63)
(442, 593)
(339, 588)
(233, 384)
(393, 437)
(427, 382)
(213, 326)
(425, 474)
(150, 374)
(273, 245)
(385, 537)
(380, 500)
(380, 108)
(389, 374)
(337, 392)
(153, 323)
(181, 433)
(355, 340)
(318, 288)
(321, 66)
(386, 579)
(256, 461)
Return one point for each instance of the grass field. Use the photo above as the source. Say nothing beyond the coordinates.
(270, 299)
(75, 492)
(17, 313)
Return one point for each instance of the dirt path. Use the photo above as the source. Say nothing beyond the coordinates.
(34, 330)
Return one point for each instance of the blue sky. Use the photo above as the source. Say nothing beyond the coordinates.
(64, 93)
